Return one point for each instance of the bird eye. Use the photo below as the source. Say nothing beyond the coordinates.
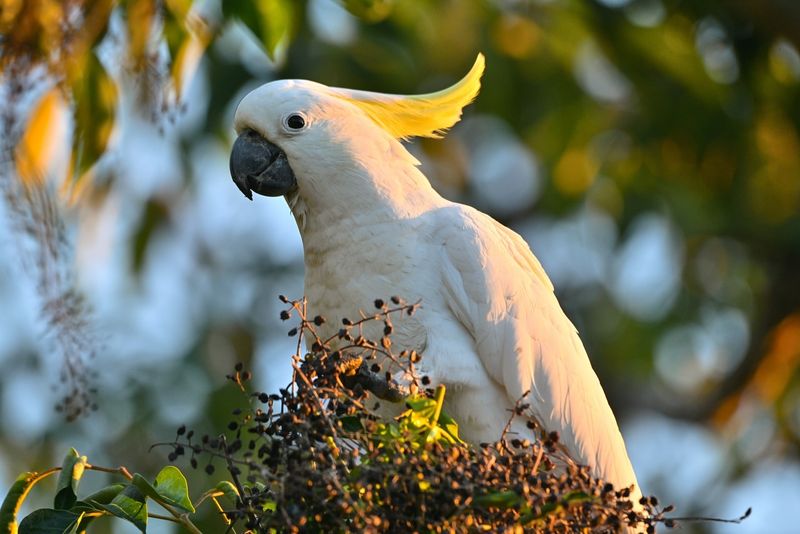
(295, 122)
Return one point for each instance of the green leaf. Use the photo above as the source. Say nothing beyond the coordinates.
(450, 426)
(105, 495)
(499, 499)
(229, 490)
(420, 417)
(93, 502)
(130, 505)
(172, 487)
(95, 100)
(423, 405)
(577, 496)
(47, 521)
(144, 486)
(71, 472)
(420, 413)
(80, 525)
(16, 494)
(81, 508)
(174, 29)
(269, 20)
(433, 435)
(550, 507)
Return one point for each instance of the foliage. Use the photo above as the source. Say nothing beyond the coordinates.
(316, 457)
(126, 500)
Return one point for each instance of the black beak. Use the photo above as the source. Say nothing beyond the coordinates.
(258, 165)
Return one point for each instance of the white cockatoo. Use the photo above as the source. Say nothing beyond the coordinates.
(490, 327)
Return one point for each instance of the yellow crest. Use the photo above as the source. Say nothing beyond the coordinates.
(427, 115)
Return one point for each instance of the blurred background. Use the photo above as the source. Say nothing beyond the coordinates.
(648, 150)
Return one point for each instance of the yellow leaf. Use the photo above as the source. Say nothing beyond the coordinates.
(36, 149)
(8, 13)
(141, 14)
(189, 55)
(94, 107)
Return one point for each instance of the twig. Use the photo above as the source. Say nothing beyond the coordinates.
(232, 470)
(121, 470)
(714, 519)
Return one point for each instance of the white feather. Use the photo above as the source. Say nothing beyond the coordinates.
(490, 325)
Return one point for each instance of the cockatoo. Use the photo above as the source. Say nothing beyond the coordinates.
(490, 327)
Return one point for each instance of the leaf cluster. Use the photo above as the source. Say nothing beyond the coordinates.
(127, 501)
(322, 455)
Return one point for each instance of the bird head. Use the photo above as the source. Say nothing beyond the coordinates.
(304, 137)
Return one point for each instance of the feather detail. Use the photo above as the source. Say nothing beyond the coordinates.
(426, 115)
(298, 208)
(496, 288)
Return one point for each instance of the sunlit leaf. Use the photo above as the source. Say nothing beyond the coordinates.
(71, 472)
(93, 30)
(172, 487)
(187, 36)
(94, 503)
(140, 17)
(102, 496)
(95, 99)
(130, 505)
(80, 524)
(433, 435)
(14, 498)
(174, 29)
(423, 406)
(35, 151)
(11, 13)
(188, 57)
(144, 486)
(420, 416)
(96, 27)
(229, 490)
(450, 426)
(178, 9)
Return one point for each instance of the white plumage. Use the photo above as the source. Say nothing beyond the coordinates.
(490, 327)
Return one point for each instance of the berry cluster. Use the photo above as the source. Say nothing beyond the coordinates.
(316, 456)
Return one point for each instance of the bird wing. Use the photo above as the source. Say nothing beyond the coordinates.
(498, 291)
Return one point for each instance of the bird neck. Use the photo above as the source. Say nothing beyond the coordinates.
(370, 193)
